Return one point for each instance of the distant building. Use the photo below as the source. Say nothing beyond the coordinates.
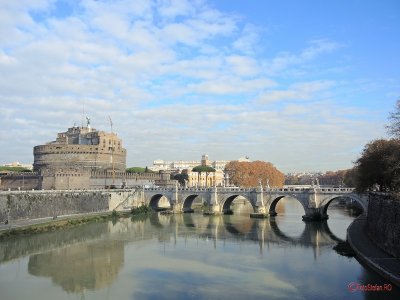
(203, 179)
(81, 158)
(179, 165)
(18, 164)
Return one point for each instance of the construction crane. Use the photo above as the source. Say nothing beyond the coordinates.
(112, 152)
(111, 123)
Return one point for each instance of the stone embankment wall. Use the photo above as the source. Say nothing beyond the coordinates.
(42, 204)
(29, 205)
(383, 222)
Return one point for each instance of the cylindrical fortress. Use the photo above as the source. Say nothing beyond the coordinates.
(82, 149)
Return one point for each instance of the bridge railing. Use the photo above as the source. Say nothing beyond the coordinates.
(237, 189)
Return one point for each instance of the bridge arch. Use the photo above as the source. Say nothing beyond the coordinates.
(188, 201)
(227, 202)
(155, 199)
(326, 202)
(272, 206)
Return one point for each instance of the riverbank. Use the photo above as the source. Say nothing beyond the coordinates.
(371, 255)
(21, 227)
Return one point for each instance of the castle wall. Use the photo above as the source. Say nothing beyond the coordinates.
(99, 180)
(57, 157)
(75, 180)
(20, 181)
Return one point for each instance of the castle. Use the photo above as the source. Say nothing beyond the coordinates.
(81, 158)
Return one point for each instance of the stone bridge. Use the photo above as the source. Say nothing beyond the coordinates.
(314, 200)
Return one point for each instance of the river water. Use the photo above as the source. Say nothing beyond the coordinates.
(190, 256)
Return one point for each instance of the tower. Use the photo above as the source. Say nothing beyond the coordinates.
(204, 160)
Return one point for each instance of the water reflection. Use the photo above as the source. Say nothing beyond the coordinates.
(79, 267)
(187, 256)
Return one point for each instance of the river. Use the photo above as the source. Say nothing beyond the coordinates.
(190, 256)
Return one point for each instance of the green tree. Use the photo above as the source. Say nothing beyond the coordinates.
(379, 166)
(138, 170)
(14, 169)
(394, 118)
(181, 177)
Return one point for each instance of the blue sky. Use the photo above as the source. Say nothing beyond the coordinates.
(302, 84)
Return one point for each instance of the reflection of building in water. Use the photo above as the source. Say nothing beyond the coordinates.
(80, 266)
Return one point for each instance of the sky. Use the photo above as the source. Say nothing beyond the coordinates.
(302, 84)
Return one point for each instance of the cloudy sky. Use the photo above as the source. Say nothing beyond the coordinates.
(302, 84)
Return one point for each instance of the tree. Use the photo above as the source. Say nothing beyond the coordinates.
(350, 178)
(138, 170)
(200, 169)
(334, 178)
(394, 117)
(181, 177)
(248, 174)
(14, 169)
(379, 166)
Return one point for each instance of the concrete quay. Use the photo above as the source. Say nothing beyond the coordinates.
(370, 254)
(22, 224)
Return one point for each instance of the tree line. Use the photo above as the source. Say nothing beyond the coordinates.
(248, 174)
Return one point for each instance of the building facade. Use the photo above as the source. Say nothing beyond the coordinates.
(179, 165)
(204, 179)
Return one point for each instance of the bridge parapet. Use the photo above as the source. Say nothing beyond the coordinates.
(336, 190)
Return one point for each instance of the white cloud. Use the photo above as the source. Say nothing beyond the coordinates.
(298, 91)
(285, 59)
(231, 85)
(174, 8)
(248, 40)
(243, 65)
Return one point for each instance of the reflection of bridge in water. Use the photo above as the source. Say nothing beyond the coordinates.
(315, 235)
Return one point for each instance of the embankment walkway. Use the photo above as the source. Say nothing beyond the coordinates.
(19, 224)
(370, 254)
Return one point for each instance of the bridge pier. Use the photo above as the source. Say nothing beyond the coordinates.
(214, 210)
(314, 214)
(214, 207)
(260, 211)
(176, 205)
